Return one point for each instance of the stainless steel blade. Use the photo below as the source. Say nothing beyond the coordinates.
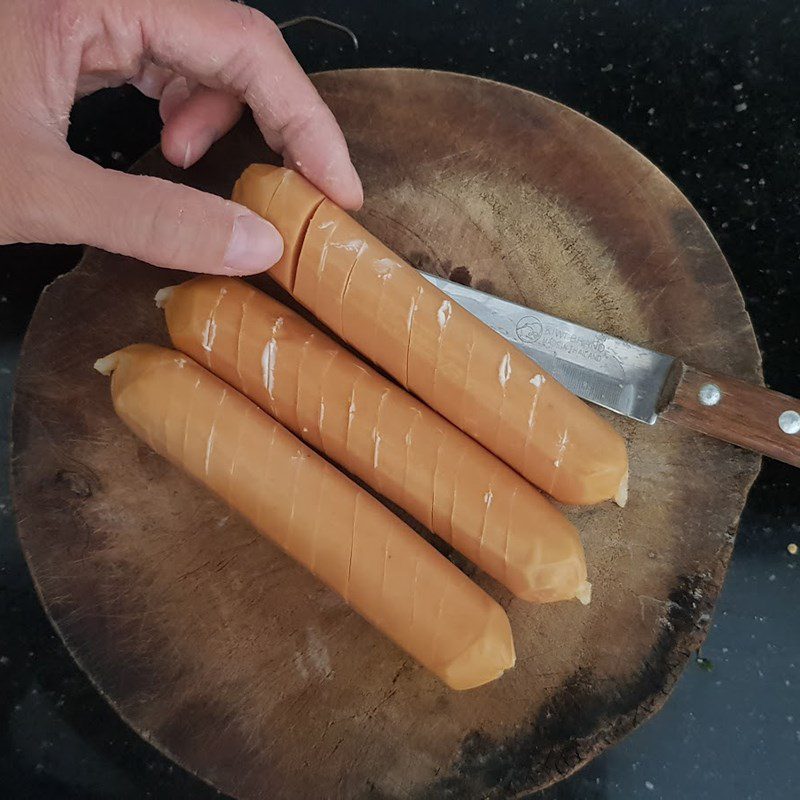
(602, 369)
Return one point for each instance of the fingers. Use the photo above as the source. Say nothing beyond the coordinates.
(174, 95)
(194, 125)
(152, 79)
(194, 116)
(229, 46)
(156, 221)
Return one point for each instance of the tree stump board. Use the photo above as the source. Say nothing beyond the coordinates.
(235, 662)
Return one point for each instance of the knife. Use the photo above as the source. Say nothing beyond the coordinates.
(639, 383)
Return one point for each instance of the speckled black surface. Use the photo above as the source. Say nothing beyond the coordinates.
(710, 94)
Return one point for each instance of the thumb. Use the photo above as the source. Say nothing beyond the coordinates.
(154, 220)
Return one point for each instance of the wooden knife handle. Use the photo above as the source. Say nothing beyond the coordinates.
(738, 412)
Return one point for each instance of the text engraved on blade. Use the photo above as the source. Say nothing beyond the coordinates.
(531, 330)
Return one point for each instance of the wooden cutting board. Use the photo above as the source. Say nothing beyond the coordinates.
(239, 665)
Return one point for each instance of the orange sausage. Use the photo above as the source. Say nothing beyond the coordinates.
(379, 433)
(387, 573)
(438, 351)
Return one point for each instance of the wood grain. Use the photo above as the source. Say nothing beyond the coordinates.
(745, 414)
(235, 662)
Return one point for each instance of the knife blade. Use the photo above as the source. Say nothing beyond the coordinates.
(602, 369)
(639, 383)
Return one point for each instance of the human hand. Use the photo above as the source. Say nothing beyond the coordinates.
(203, 59)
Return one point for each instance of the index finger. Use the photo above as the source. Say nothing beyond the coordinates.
(229, 46)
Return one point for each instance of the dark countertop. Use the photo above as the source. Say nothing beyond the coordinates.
(709, 93)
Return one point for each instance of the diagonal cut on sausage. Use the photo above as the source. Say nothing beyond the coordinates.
(343, 535)
(457, 365)
(378, 432)
(287, 197)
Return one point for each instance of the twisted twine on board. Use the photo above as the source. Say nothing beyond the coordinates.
(289, 23)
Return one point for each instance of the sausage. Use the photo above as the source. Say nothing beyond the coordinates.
(345, 537)
(289, 200)
(467, 372)
(379, 433)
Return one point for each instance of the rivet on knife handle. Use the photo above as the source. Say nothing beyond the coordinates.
(738, 412)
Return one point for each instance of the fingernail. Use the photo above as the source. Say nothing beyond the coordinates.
(198, 146)
(255, 245)
(359, 188)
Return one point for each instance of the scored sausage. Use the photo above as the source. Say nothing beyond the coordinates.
(378, 432)
(344, 536)
(386, 310)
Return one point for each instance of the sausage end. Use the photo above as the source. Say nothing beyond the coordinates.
(584, 593)
(107, 364)
(163, 296)
(621, 497)
(486, 659)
